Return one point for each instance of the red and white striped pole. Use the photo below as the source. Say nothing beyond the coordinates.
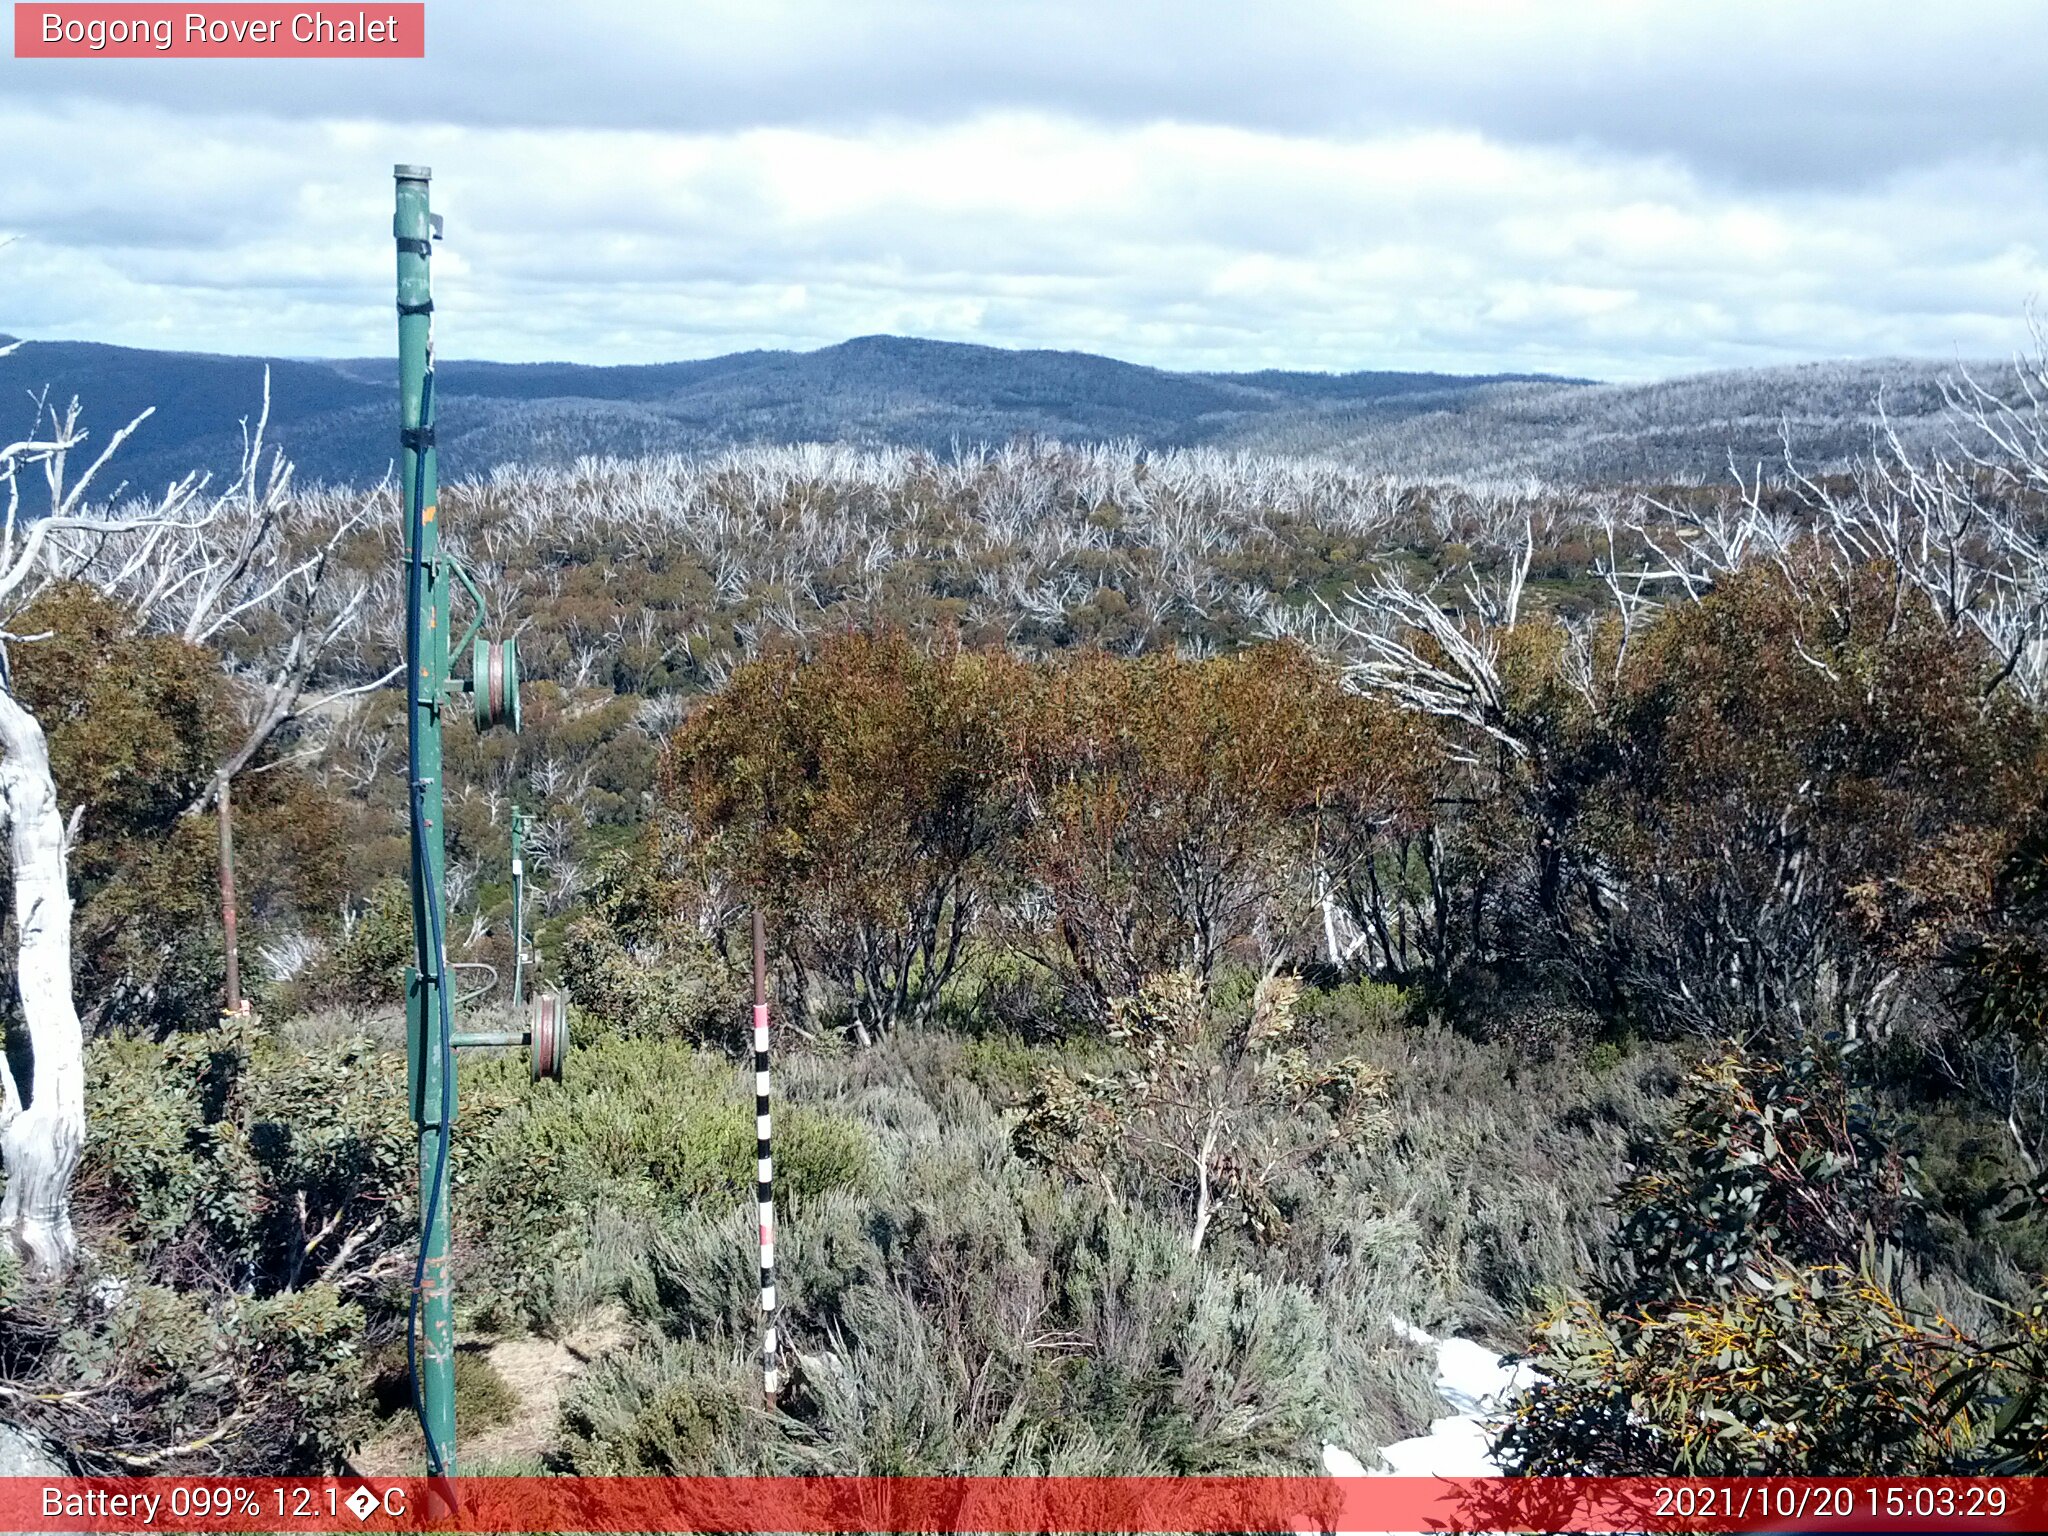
(764, 1189)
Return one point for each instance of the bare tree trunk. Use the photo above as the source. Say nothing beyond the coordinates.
(40, 1142)
(1326, 899)
(1202, 1197)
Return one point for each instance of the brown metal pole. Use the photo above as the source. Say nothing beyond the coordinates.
(760, 960)
(227, 894)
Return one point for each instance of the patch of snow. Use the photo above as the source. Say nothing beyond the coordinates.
(1479, 1388)
(1339, 1462)
(1457, 1446)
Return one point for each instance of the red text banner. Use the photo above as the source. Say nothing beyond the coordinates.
(1023, 1504)
(236, 31)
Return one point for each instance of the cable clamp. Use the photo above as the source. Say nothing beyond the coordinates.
(416, 438)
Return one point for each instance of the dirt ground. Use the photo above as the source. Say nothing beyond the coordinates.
(539, 1371)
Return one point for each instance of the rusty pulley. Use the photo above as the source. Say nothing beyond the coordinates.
(548, 1035)
(494, 683)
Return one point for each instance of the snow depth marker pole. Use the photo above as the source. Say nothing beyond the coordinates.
(764, 1191)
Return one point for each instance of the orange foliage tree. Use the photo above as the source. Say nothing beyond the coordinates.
(1795, 789)
(137, 723)
(1175, 809)
(862, 798)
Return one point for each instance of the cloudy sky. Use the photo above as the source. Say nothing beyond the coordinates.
(1623, 190)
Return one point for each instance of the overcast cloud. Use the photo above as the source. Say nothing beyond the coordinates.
(1620, 190)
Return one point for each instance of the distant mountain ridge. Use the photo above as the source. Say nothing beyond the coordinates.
(335, 417)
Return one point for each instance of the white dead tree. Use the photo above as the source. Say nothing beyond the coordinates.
(42, 1122)
(261, 577)
(1437, 659)
(1953, 533)
(1948, 524)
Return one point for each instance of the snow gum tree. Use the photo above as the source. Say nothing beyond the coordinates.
(42, 1097)
(45, 1131)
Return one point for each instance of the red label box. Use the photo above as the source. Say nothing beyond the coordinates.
(370, 30)
(1023, 1506)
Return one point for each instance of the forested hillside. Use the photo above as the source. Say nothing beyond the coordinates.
(1217, 901)
(887, 391)
(1816, 415)
(333, 417)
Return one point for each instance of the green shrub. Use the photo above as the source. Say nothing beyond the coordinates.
(1755, 1321)
(131, 1373)
(1010, 1327)
(483, 1398)
(367, 969)
(305, 1350)
(1002, 1066)
(285, 1161)
(1771, 1161)
(1354, 1009)
(966, 1313)
(668, 1411)
(1815, 1372)
(1983, 1224)
(1212, 1105)
(646, 1129)
(244, 1203)
(676, 990)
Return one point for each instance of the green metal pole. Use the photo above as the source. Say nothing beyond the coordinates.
(412, 228)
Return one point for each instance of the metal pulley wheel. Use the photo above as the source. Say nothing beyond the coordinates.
(494, 683)
(548, 1035)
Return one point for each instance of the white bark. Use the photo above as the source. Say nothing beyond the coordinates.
(41, 1140)
(42, 1130)
(1203, 1193)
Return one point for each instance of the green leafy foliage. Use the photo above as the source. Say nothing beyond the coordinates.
(306, 1348)
(1815, 1371)
(137, 724)
(638, 966)
(367, 968)
(1194, 1112)
(640, 1127)
(1770, 1161)
(1756, 1326)
(284, 1164)
(139, 1375)
(246, 1205)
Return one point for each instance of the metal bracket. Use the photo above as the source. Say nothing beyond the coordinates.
(461, 647)
(546, 1037)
